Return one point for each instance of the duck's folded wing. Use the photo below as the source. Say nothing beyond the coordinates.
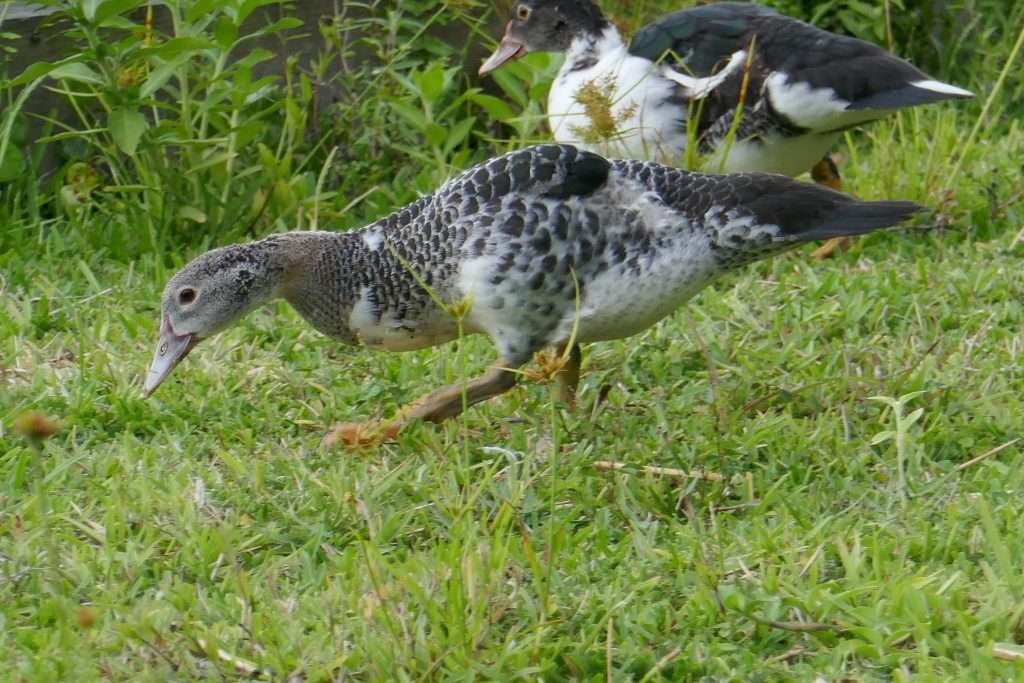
(807, 211)
(555, 171)
(858, 75)
(816, 79)
(699, 41)
(758, 213)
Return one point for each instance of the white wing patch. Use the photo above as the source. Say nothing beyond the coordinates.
(699, 88)
(817, 109)
(807, 107)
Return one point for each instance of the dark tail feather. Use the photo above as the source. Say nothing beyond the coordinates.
(806, 211)
(856, 218)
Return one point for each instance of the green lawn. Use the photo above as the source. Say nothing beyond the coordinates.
(208, 514)
(865, 415)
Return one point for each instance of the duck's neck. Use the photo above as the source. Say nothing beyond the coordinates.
(316, 272)
(587, 49)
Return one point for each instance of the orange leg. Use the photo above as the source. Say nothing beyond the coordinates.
(826, 173)
(437, 406)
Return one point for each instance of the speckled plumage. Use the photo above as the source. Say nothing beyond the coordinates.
(535, 241)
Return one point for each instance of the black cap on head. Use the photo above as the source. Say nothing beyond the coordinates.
(545, 26)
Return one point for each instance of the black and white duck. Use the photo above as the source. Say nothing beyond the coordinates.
(549, 246)
(683, 78)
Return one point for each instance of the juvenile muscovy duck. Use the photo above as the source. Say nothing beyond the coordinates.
(549, 246)
(683, 78)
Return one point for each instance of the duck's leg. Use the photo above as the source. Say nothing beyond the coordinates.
(437, 406)
(569, 374)
(450, 401)
(826, 173)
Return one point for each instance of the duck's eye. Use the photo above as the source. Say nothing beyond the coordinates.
(186, 296)
(523, 12)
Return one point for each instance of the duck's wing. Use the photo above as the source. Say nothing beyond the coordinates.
(553, 171)
(750, 215)
(699, 41)
(815, 79)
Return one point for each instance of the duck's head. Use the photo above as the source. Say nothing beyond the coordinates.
(206, 296)
(545, 26)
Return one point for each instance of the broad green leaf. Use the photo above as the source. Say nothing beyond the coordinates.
(882, 437)
(159, 76)
(411, 114)
(201, 8)
(251, 6)
(511, 86)
(254, 57)
(33, 72)
(458, 133)
(126, 128)
(268, 159)
(406, 83)
(914, 416)
(119, 22)
(430, 83)
(285, 24)
(111, 8)
(262, 92)
(76, 71)
(495, 107)
(177, 46)
(539, 91)
(225, 31)
(435, 134)
(89, 8)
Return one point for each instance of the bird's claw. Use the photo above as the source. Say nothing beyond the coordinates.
(548, 366)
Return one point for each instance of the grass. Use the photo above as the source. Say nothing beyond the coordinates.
(204, 534)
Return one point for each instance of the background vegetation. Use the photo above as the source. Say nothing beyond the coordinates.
(864, 413)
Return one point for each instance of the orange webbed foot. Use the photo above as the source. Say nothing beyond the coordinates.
(360, 434)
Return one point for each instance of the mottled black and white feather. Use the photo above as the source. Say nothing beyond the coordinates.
(540, 239)
(534, 248)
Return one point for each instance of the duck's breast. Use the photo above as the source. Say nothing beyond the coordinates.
(622, 107)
